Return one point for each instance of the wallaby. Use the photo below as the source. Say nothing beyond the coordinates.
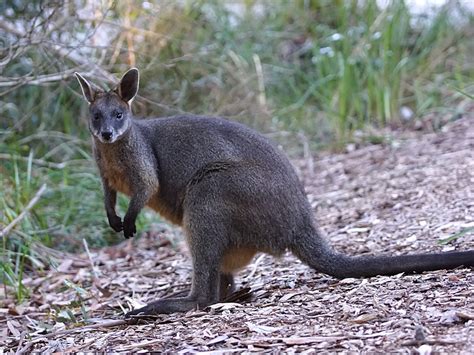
(231, 190)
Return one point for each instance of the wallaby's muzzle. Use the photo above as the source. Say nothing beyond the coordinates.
(106, 135)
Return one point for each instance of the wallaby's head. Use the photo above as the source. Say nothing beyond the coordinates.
(109, 111)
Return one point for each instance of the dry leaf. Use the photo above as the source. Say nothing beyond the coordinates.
(262, 329)
(287, 296)
(364, 318)
(218, 339)
(425, 349)
(65, 265)
(309, 340)
(465, 315)
(15, 332)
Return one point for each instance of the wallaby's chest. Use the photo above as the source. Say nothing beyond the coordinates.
(124, 170)
(116, 169)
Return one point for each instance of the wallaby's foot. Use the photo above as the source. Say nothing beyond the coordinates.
(129, 228)
(166, 306)
(116, 223)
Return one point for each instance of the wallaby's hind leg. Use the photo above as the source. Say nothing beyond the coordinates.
(205, 282)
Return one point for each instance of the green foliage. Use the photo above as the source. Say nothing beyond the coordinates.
(325, 68)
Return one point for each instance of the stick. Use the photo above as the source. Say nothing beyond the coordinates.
(106, 324)
(94, 268)
(38, 162)
(139, 345)
(22, 215)
(38, 79)
(430, 342)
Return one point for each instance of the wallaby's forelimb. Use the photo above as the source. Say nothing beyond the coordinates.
(110, 199)
(140, 196)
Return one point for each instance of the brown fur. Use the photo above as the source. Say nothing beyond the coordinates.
(156, 204)
(236, 259)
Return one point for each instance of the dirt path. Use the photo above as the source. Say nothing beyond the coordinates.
(399, 198)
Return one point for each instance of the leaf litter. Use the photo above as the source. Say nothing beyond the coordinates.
(396, 198)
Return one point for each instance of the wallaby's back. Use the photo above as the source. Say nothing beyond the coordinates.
(184, 145)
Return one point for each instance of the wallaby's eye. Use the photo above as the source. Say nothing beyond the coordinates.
(119, 115)
(96, 117)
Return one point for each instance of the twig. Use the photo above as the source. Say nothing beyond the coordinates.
(307, 154)
(62, 52)
(129, 37)
(106, 324)
(139, 345)
(313, 339)
(38, 79)
(254, 267)
(429, 342)
(94, 268)
(133, 29)
(262, 100)
(39, 162)
(24, 349)
(22, 215)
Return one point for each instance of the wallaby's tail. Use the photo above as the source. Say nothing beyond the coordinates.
(314, 251)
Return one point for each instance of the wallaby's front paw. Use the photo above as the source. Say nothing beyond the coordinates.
(116, 223)
(129, 228)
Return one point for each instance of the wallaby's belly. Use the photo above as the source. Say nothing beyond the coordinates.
(164, 210)
(236, 259)
(119, 183)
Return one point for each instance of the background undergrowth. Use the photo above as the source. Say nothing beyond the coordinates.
(325, 71)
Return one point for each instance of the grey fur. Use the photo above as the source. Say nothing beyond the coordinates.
(230, 189)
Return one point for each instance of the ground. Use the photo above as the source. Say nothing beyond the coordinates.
(404, 196)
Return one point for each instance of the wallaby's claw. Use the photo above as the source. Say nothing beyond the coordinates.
(129, 229)
(149, 311)
(141, 314)
(116, 223)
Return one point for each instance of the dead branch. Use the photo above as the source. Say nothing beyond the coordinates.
(139, 345)
(41, 162)
(22, 215)
(62, 52)
(38, 80)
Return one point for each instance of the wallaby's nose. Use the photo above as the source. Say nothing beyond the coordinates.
(107, 135)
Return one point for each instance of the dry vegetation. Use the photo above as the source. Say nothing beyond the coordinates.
(406, 196)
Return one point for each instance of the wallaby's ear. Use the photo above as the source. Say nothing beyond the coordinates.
(87, 90)
(128, 86)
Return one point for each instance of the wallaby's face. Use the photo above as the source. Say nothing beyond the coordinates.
(109, 112)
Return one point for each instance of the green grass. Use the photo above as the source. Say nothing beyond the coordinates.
(321, 68)
(328, 68)
(68, 211)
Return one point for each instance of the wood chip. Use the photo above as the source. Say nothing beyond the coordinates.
(364, 318)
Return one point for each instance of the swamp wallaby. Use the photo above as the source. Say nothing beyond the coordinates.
(231, 190)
